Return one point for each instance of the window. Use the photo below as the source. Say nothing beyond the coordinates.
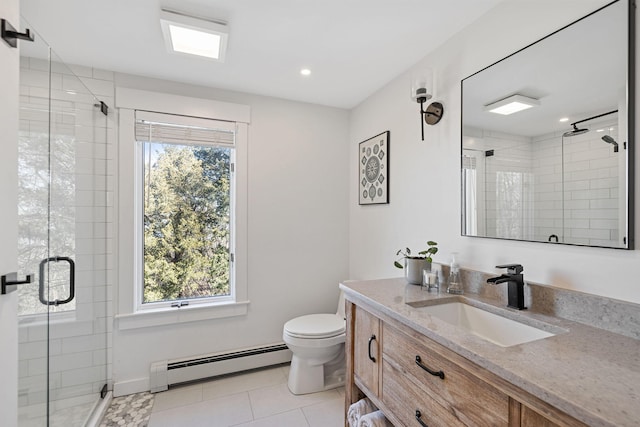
(176, 121)
(186, 229)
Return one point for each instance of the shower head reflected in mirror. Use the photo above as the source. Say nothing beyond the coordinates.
(610, 140)
(575, 131)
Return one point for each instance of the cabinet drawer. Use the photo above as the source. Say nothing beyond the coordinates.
(403, 398)
(464, 396)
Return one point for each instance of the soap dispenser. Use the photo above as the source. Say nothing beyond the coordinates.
(454, 285)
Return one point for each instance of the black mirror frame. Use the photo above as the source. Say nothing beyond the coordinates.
(631, 94)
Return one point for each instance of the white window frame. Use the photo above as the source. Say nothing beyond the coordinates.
(131, 313)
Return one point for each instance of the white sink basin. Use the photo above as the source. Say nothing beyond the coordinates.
(489, 326)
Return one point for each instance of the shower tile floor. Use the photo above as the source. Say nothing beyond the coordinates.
(258, 398)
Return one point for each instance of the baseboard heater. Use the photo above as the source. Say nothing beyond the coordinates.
(171, 372)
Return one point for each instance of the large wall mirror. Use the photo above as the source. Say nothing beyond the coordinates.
(547, 138)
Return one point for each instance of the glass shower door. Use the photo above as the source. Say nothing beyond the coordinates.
(62, 239)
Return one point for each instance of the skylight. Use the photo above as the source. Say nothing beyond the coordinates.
(193, 36)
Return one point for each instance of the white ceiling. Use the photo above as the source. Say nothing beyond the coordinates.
(353, 47)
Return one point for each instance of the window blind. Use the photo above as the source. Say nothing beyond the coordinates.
(156, 127)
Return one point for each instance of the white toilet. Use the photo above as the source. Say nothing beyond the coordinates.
(317, 344)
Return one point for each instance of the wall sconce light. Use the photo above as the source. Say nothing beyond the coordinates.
(420, 93)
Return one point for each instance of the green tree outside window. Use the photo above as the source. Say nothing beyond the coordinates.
(187, 214)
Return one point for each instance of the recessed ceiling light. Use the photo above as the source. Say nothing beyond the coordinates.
(305, 71)
(193, 36)
(564, 119)
(599, 130)
(511, 104)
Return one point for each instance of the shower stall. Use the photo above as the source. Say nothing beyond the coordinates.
(64, 242)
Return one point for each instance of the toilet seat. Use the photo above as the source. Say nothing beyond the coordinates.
(315, 326)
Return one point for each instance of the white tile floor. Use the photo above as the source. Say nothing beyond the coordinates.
(258, 399)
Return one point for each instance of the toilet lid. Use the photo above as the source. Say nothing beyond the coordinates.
(315, 326)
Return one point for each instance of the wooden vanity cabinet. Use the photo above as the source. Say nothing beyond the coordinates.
(418, 382)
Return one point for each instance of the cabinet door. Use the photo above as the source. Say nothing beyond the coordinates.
(366, 351)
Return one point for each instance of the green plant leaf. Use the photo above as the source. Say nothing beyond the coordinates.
(397, 264)
(431, 243)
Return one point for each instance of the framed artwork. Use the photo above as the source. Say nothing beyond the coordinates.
(373, 164)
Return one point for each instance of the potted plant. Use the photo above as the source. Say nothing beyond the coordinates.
(415, 264)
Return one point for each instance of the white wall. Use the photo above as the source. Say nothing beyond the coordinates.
(297, 231)
(9, 58)
(425, 176)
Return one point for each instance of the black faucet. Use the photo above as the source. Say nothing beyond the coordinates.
(515, 283)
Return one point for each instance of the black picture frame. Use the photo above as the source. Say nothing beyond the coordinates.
(373, 170)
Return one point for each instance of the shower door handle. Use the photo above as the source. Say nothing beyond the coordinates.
(72, 280)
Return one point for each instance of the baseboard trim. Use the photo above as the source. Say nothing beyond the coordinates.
(124, 388)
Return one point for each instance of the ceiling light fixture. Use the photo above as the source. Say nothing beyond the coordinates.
(189, 35)
(305, 71)
(511, 104)
(564, 119)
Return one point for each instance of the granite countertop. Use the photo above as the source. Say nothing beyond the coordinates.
(589, 373)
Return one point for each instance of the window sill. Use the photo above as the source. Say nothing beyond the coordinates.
(173, 315)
